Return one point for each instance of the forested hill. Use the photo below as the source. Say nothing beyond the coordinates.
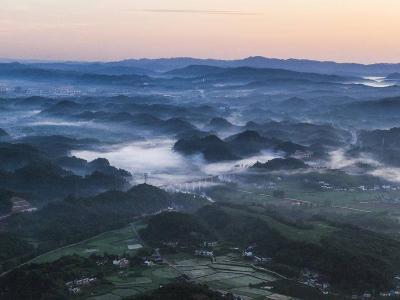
(75, 219)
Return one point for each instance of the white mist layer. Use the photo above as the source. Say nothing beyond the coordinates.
(154, 157)
(338, 160)
(60, 123)
(235, 166)
(164, 165)
(378, 82)
(390, 174)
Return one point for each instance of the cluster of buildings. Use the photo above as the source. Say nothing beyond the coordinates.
(21, 206)
(389, 188)
(314, 280)
(102, 262)
(369, 295)
(249, 253)
(303, 154)
(206, 249)
(171, 244)
(153, 259)
(210, 244)
(393, 293)
(326, 186)
(204, 253)
(121, 263)
(74, 287)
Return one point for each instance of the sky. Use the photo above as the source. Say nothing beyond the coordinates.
(365, 31)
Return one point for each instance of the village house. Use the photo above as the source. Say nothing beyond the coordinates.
(171, 244)
(303, 154)
(210, 244)
(81, 282)
(261, 260)
(122, 263)
(74, 290)
(248, 253)
(148, 263)
(156, 256)
(367, 295)
(203, 253)
(74, 286)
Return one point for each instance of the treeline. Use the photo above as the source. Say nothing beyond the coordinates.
(176, 227)
(183, 291)
(75, 219)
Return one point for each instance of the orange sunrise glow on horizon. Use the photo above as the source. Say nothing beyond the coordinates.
(365, 31)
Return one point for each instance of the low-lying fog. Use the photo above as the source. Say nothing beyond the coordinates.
(339, 160)
(165, 166)
(375, 81)
(10, 119)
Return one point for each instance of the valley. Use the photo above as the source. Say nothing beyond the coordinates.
(231, 178)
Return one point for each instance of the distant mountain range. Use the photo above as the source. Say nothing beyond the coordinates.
(300, 65)
(129, 76)
(161, 65)
(73, 74)
(253, 73)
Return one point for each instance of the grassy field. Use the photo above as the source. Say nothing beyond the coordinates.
(136, 281)
(111, 242)
(133, 281)
(363, 200)
(356, 198)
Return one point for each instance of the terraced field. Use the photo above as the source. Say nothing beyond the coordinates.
(229, 274)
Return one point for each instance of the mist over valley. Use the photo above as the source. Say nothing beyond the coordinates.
(253, 176)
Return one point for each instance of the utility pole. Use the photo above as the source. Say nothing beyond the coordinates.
(146, 177)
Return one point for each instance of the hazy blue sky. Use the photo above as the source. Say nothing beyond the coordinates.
(342, 30)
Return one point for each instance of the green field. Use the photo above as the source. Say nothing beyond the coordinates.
(111, 242)
(362, 200)
(137, 280)
(356, 198)
(227, 274)
(130, 282)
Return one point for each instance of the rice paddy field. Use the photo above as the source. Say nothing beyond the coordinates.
(228, 274)
(136, 281)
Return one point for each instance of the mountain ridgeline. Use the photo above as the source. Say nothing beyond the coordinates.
(240, 145)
